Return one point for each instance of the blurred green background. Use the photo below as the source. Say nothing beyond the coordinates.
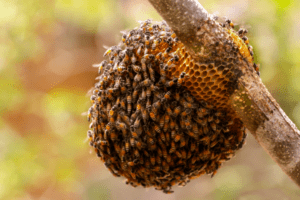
(47, 49)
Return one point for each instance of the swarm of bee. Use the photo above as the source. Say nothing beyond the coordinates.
(158, 117)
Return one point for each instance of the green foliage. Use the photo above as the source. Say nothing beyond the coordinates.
(44, 151)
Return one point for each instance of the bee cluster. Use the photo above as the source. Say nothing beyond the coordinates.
(147, 125)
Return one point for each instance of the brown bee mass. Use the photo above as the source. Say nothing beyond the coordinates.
(158, 117)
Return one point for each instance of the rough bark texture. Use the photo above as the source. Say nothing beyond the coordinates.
(259, 111)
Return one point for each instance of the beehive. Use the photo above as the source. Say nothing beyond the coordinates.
(160, 118)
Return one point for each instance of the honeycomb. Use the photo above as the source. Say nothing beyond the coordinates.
(161, 118)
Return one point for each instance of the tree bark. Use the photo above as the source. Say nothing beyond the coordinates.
(253, 103)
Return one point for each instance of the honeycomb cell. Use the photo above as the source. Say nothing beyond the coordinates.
(225, 71)
(210, 84)
(214, 87)
(220, 68)
(192, 65)
(191, 72)
(211, 66)
(211, 72)
(188, 83)
(218, 90)
(209, 93)
(199, 79)
(203, 67)
(206, 89)
(204, 74)
(202, 85)
(207, 79)
(197, 73)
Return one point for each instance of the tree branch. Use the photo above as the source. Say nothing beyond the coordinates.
(253, 103)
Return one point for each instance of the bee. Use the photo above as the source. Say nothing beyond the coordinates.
(169, 110)
(101, 66)
(213, 126)
(131, 164)
(181, 79)
(177, 137)
(177, 111)
(90, 135)
(122, 154)
(178, 154)
(136, 68)
(148, 105)
(117, 83)
(162, 121)
(245, 39)
(166, 127)
(138, 106)
(139, 144)
(90, 112)
(172, 124)
(157, 105)
(113, 136)
(167, 118)
(107, 52)
(136, 153)
(155, 43)
(123, 103)
(182, 142)
(171, 83)
(148, 92)
(124, 36)
(172, 149)
(205, 129)
(164, 153)
(132, 142)
(229, 22)
(121, 126)
(152, 159)
(168, 50)
(127, 145)
(188, 123)
(242, 32)
(145, 115)
(125, 118)
(256, 67)
(117, 148)
(150, 140)
(134, 134)
(139, 51)
(138, 77)
(127, 82)
(156, 128)
(135, 94)
(147, 41)
(205, 140)
(146, 83)
(133, 117)
(143, 96)
(137, 123)
(167, 96)
(121, 69)
(214, 143)
(162, 70)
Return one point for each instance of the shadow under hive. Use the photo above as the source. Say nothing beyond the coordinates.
(158, 117)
